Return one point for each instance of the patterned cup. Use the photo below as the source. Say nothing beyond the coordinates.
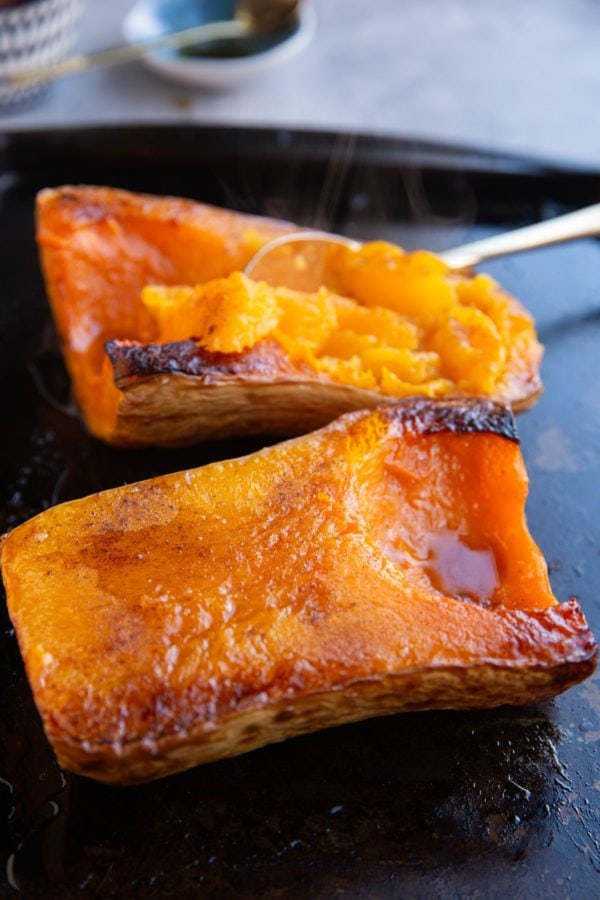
(34, 33)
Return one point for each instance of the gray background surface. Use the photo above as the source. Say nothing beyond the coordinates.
(519, 75)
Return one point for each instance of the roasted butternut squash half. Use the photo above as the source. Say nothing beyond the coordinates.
(167, 343)
(378, 565)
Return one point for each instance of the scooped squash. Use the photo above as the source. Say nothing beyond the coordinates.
(126, 275)
(381, 564)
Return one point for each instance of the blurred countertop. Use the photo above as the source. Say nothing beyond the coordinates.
(519, 75)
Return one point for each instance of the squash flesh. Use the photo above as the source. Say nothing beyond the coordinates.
(160, 621)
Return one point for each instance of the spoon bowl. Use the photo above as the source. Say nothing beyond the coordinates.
(297, 261)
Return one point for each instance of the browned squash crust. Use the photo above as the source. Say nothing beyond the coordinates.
(101, 247)
(381, 564)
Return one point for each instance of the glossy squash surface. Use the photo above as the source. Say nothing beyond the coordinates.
(388, 324)
(380, 564)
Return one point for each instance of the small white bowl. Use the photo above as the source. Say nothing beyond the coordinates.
(150, 18)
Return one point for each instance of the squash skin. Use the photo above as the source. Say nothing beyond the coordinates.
(297, 618)
(99, 248)
(177, 394)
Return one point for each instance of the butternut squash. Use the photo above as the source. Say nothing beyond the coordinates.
(378, 565)
(127, 278)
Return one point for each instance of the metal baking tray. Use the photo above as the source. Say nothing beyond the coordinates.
(449, 804)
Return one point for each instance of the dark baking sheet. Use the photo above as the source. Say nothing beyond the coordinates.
(481, 804)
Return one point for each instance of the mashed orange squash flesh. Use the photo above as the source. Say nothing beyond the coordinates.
(393, 322)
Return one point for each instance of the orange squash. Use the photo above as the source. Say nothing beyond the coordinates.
(378, 565)
(389, 324)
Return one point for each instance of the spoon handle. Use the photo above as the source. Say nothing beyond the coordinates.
(583, 223)
(211, 31)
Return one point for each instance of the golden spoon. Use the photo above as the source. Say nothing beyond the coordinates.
(252, 19)
(298, 260)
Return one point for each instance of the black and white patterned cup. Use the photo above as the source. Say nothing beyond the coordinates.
(34, 33)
